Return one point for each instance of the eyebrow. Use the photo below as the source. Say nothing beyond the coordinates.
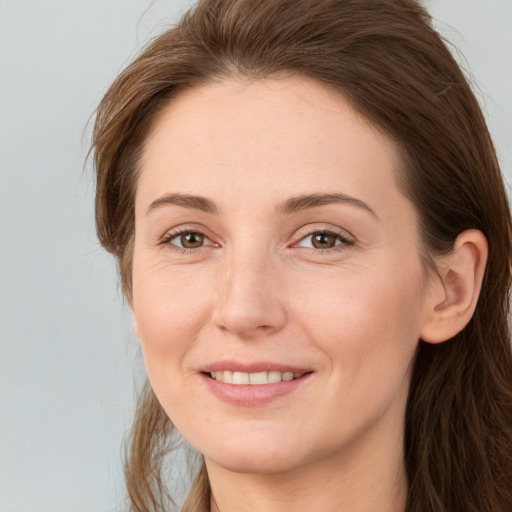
(291, 205)
(299, 203)
(184, 200)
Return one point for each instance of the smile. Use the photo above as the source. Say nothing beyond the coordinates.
(255, 379)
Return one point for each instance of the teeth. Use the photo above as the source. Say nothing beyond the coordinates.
(258, 378)
(240, 378)
(274, 376)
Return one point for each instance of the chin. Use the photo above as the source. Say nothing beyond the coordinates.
(265, 463)
(254, 456)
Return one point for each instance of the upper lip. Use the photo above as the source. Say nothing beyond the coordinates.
(254, 367)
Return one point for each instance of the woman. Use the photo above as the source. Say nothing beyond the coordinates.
(314, 238)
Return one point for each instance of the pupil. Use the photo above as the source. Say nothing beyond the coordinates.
(192, 240)
(323, 241)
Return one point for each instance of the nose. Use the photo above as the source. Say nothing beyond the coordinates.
(250, 302)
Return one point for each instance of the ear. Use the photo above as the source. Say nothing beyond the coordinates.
(454, 294)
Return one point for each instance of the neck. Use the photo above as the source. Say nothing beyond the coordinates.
(370, 476)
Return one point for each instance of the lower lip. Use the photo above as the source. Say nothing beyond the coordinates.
(248, 395)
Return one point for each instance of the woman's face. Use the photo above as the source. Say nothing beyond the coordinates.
(272, 243)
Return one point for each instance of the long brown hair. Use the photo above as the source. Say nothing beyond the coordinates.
(388, 61)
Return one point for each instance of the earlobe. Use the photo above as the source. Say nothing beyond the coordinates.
(455, 293)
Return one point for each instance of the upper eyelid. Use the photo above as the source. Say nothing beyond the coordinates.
(309, 230)
(187, 228)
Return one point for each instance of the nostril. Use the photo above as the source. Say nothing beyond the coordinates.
(253, 321)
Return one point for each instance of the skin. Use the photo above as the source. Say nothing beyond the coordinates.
(258, 289)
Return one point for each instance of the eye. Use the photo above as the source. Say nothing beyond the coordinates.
(187, 239)
(324, 240)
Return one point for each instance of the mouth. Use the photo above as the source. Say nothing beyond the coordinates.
(256, 378)
(253, 385)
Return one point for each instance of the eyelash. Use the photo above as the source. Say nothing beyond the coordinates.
(166, 240)
(342, 237)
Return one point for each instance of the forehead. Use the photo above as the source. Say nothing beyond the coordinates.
(239, 138)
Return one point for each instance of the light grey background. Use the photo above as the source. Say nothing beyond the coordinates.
(67, 355)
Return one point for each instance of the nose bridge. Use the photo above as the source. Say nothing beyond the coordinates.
(249, 301)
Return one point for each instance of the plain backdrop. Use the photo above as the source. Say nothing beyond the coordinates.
(68, 359)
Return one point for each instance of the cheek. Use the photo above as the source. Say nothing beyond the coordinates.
(367, 322)
(368, 329)
(169, 310)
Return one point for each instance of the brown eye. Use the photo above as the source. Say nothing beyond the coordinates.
(191, 240)
(187, 240)
(323, 240)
